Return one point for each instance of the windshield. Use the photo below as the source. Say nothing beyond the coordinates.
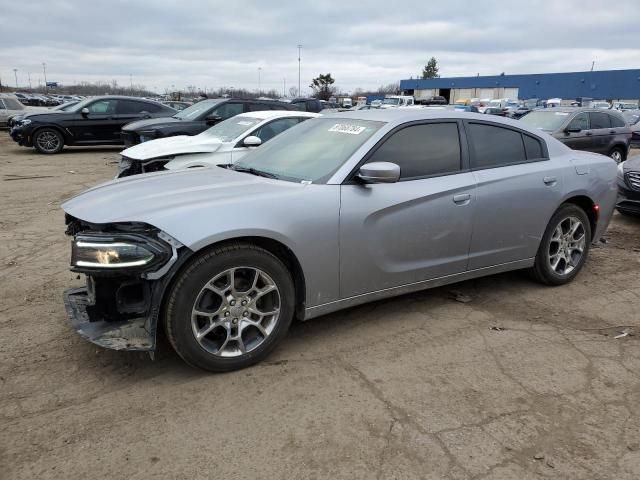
(231, 128)
(12, 103)
(548, 121)
(195, 110)
(391, 101)
(631, 118)
(311, 151)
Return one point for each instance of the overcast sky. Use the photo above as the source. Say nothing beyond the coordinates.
(362, 43)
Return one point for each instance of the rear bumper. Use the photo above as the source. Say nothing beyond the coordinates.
(137, 334)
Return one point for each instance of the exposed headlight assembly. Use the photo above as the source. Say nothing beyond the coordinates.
(118, 252)
(25, 121)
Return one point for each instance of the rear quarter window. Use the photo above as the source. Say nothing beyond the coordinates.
(617, 121)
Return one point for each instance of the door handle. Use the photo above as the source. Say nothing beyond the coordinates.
(612, 132)
(588, 134)
(462, 198)
(550, 180)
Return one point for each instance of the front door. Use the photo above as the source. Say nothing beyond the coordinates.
(416, 229)
(581, 138)
(98, 125)
(601, 132)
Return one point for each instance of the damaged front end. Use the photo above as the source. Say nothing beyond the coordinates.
(128, 267)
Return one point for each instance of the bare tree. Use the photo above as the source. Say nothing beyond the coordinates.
(293, 92)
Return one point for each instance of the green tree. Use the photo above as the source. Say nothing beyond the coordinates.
(323, 86)
(430, 70)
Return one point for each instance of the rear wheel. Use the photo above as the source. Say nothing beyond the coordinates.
(48, 141)
(617, 153)
(564, 246)
(230, 308)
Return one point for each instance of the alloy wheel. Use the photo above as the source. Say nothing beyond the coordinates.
(616, 155)
(48, 141)
(235, 312)
(567, 245)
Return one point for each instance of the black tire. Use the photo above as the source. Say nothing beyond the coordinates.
(187, 289)
(48, 141)
(618, 152)
(542, 270)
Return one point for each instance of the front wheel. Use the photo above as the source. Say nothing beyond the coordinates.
(617, 154)
(48, 141)
(564, 246)
(230, 308)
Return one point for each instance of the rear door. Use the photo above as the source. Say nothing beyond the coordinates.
(419, 228)
(602, 134)
(519, 188)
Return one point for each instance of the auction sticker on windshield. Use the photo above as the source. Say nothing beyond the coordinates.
(345, 128)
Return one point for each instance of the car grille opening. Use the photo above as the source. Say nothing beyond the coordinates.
(633, 180)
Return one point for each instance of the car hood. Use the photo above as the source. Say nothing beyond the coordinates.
(170, 146)
(150, 122)
(165, 199)
(632, 164)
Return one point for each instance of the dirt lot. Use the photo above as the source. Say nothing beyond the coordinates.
(421, 386)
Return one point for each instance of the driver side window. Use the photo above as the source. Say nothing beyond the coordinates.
(580, 121)
(103, 106)
(228, 110)
(270, 130)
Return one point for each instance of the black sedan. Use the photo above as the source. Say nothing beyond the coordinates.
(197, 118)
(94, 121)
(629, 187)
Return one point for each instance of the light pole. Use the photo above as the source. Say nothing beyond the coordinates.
(131, 82)
(284, 87)
(15, 74)
(44, 70)
(259, 70)
(29, 75)
(299, 48)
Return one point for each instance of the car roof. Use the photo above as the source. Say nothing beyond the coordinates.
(398, 116)
(266, 114)
(573, 109)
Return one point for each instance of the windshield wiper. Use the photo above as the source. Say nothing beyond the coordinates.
(253, 171)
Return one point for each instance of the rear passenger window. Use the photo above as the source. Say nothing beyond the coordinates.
(617, 121)
(599, 120)
(495, 146)
(422, 150)
(533, 147)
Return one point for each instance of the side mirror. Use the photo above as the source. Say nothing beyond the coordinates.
(252, 141)
(84, 111)
(379, 172)
(213, 119)
(572, 130)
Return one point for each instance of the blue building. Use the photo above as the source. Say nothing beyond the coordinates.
(598, 85)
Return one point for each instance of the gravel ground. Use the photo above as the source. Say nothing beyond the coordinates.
(521, 382)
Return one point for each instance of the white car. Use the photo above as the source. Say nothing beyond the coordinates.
(225, 142)
(10, 106)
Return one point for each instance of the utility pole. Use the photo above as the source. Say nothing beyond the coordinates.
(29, 75)
(131, 82)
(284, 87)
(15, 74)
(259, 70)
(592, 64)
(299, 48)
(44, 70)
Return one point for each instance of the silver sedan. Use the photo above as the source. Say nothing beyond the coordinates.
(335, 212)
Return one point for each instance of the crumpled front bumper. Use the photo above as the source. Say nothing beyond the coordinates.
(137, 334)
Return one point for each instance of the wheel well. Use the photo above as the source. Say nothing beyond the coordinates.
(621, 147)
(285, 255)
(51, 127)
(586, 204)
